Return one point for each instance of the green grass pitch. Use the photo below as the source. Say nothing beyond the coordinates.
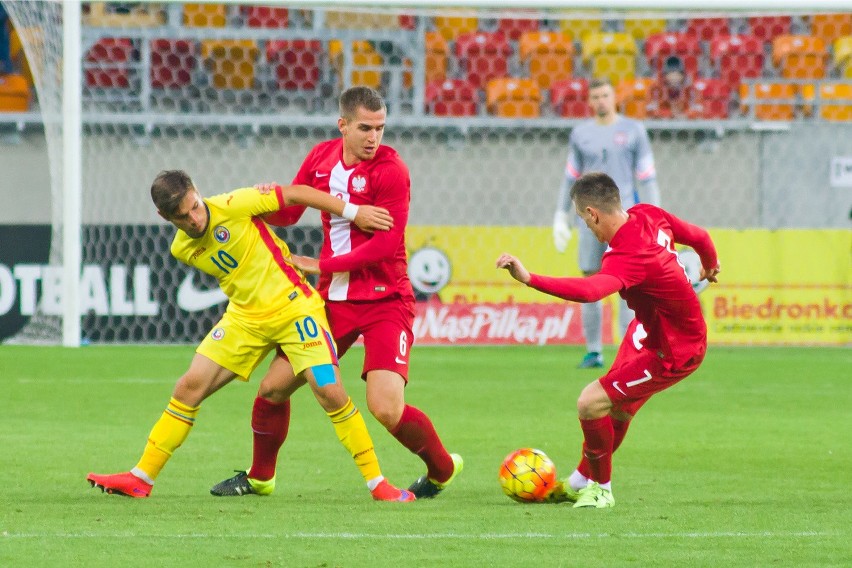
(746, 463)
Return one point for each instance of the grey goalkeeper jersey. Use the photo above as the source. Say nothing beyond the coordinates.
(621, 150)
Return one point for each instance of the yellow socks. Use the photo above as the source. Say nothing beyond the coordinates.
(352, 433)
(167, 435)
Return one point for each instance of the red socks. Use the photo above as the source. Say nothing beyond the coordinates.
(416, 432)
(619, 429)
(597, 448)
(269, 425)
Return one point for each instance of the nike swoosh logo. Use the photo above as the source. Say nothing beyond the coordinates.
(191, 299)
(400, 361)
(616, 387)
(319, 175)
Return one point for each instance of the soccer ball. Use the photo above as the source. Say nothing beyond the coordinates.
(527, 475)
(691, 263)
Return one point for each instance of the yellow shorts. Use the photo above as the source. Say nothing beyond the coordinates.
(239, 344)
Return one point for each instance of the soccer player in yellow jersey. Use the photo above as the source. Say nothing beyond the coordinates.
(271, 305)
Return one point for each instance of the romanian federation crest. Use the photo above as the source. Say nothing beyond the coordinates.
(221, 234)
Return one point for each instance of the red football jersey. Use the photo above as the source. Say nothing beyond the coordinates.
(356, 265)
(642, 256)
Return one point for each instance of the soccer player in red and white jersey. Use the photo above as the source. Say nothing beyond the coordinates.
(666, 341)
(364, 280)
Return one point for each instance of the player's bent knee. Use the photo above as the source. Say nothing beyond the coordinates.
(387, 413)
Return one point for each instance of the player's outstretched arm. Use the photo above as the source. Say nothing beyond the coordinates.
(306, 264)
(366, 217)
(515, 268)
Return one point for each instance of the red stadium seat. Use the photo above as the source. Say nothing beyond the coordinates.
(570, 98)
(483, 56)
(513, 28)
(767, 28)
(451, 97)
(660, 46)
(107, 63)
(265, 16)
(712, 97)
(295, 63)
(172, 62)
(737, 57)
(705, 29)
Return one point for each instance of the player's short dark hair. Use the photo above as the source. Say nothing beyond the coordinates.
(598, 190)
(599, 82)
(169, 189)
(354, 98)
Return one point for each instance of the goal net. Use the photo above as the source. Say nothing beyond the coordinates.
(481, 104)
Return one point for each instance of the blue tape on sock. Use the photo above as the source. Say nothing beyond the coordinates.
(323, 375)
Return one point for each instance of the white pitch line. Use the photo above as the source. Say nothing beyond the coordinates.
(428, 536)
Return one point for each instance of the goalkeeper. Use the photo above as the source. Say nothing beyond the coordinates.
(619, 147)
(270, 305)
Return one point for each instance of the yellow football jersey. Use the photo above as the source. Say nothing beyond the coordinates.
(253, 266)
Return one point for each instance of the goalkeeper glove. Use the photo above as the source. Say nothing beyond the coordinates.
(561, 230)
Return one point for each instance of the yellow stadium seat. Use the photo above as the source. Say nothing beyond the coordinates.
(452, 26)
(781, 109)
(365, 63)
(230, 62)
(640, 29)
(136, 16)
(799, 57)
(843, 56)
(548, 55)
(436, 57)
(835, 100)
(360, 20)
(580, 28)
(205, 15)
(513, 98)
(830, 27)
(612, 56)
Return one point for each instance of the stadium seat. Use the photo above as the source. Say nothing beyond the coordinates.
(135, 15)
(840, 93)
(705, 29)
(660, 46)
(633, 97)
(642, 28)
(549, 56)
(230, 62)
(611, 55)
(783, 96)
(580, 28)
(737, 57)
(294, 62)
(843, 56)
(437, 50)
(205, 15)
(799, 57)
(173, 62)
(14, 93)
(265, 16)
(366, 63)
(19, 57)
(508, 97)
(712, 98)
(767, 28)
(830, 27)
(337, 20)
(451, 97)
(514, 28)
(453, 26)
(108, 63)
(483, 56)
(570, 98)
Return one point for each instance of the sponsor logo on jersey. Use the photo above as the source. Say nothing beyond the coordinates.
(359, 184)
(221, 234)
(217, 334)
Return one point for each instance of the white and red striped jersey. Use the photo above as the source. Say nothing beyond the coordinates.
(356, 265)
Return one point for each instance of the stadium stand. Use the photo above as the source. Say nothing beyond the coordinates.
(548, 56)
(483, 56)
(611, 55)
(513, 98)
(451, 97)
(569, 98)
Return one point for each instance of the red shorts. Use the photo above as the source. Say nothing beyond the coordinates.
(636, 374)
(387, 329)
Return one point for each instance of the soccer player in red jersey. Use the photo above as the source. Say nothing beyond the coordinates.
(666, 341)
(364, 280)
